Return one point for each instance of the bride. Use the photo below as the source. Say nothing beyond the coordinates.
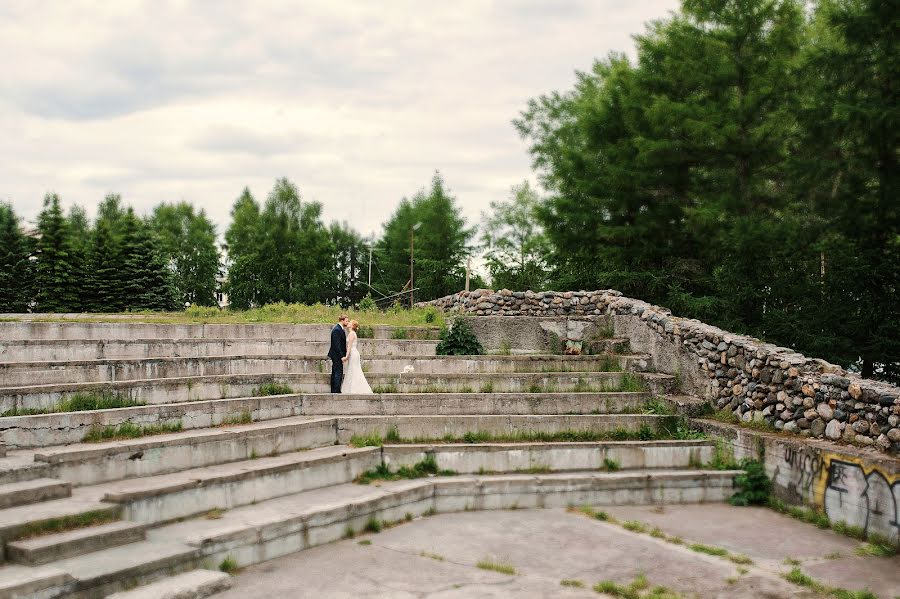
(354, 380)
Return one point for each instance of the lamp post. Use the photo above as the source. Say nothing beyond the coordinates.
(412, 285)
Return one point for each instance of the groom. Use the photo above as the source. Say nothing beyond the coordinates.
(337, 353)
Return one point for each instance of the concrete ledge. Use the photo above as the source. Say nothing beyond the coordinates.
(251, 534)
(14, 374)
(33, 350)
(437, 427)
(175, 390)
(195, 584)
(91, 463)
(557, 457)
(45, 430)
(169, 497)
(49, 548)
(21, 581)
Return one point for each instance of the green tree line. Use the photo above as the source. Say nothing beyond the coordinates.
(741, 170)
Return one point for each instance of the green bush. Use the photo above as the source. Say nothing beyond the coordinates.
(459, 340)
(367, 304)
(754, 485)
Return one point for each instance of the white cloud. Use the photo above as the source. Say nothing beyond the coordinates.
(356, 102)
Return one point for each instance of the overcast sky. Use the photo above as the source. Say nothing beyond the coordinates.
(355, 102)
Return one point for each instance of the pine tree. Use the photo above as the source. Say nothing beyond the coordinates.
(56, 280)
(242, 240)
(15, 265)
(148, 284)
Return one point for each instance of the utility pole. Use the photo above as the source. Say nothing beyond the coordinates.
(468, 272)
(411, 259)
(370, 267)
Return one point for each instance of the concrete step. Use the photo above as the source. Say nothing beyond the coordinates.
(93, 463)
(27, 328)
(102, 573)
(37, 350)
(181, 389)
(13, 374)
(55, 429)
(260, 532)
(21, 582)
(19, 466)
(50, 548)
(195, 584)
(73, 512)
(33, 491)
(168, 497)
(500, 458)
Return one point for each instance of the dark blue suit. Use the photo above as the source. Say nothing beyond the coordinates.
(337, 351)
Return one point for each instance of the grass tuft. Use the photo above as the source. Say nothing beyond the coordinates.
(127, 430)
(272, 389)
(81, 402)
(570, 582)
(63, 524)
(228, 565)
(427, 467)
(497, 565)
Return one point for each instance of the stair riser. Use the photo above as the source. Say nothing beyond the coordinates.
(242, 332)
(59, 429)
(36, 495)
(128, 579)
(437, 427)
(166, 391)
(31, 472)
(31, 373)
(65, 350)
(248, 490)
(65, 550)
(163, 458)
(290, 536)
(471, 460)
(12, 532)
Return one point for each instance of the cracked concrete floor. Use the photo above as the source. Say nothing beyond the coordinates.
(436, 557)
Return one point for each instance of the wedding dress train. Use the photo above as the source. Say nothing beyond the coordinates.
(354, 379)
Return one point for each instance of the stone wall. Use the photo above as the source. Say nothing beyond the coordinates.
(756, 381)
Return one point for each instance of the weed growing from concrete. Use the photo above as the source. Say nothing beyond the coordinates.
(127, 430)
(364, 542)
(64, 523)
(632, 383)
(374, 525)
(399, 333)
(435, 556)
(81, 402)
(798, 577)
(657, 406)
(570, 582)
(215, 514)
(487, 387)
(349, 533)
(708, 549)
(877, 548)
(392, 435)
(634, 526)
(426, 467)
(245, 417)
(389, 388)
(429, 512)
(497, 565)
(789, 561)
(755, 486)
(272, 389)
(592, 513)
(611, 465)
(228, 565)
(644, 433)
(505, 348)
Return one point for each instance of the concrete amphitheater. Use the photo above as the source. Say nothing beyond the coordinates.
(218, 476)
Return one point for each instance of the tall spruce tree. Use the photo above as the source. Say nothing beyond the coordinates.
(242, 244)
(16, 285)
(57, 287)
(148, 284)
(440, 239)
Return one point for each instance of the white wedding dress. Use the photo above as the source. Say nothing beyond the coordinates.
(354, 379)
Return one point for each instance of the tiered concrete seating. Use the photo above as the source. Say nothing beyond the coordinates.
(246, 478)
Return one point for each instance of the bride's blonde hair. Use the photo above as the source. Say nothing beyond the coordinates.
(354, 324)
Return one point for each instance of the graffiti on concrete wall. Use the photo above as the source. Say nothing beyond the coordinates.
(804, 470)
(868, 500)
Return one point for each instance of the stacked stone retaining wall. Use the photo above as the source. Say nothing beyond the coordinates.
(756, 381)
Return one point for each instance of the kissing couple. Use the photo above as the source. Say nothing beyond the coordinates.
(344, 353)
